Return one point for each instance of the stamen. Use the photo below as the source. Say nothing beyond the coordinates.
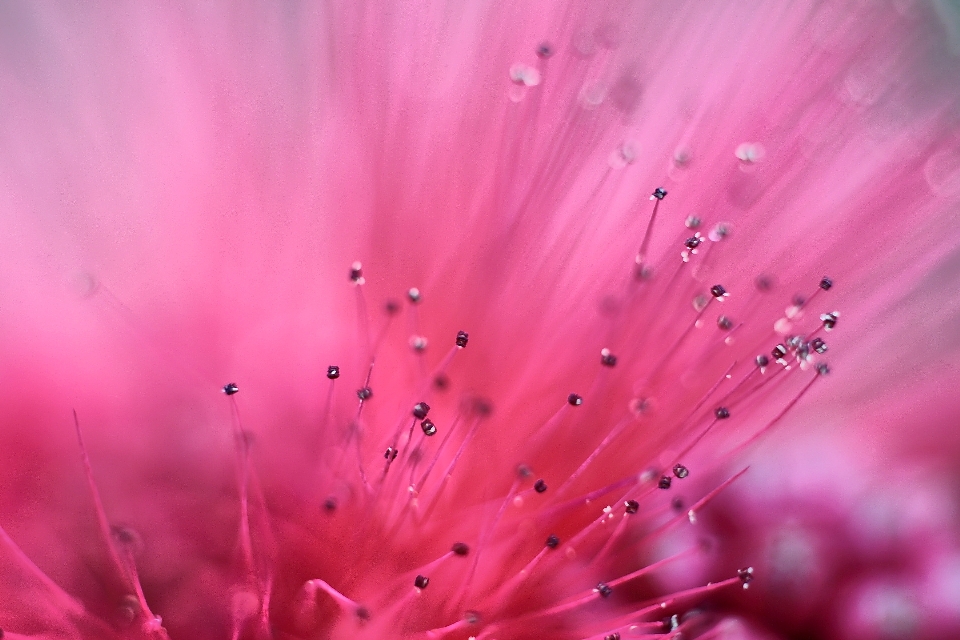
(702, 502)
(589, 497)
(829, 320)
(245, 475)
(356, 273)
(346, 604)
(783, 412)
(607, 359)
(58, 596)
(605, 590)
(126, 570)
(658, 195)
(490, 528)
(746, 576)
(630, 509)
(333, 372)
(428, 427)
(470, 618)
(544, 50)
(537, 439)
(710, 587)
(653, 566)
(449, 470)
(363, 318)
(610, 437)
(426, 474)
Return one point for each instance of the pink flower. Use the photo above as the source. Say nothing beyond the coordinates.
(560, 258)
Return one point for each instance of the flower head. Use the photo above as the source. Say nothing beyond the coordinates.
(485, 292)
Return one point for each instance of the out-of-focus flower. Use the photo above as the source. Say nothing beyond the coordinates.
(839, 550)
(493, 282)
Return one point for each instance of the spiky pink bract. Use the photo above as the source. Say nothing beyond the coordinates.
(185, 190)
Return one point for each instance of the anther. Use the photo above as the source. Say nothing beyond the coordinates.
(428, 427)
(540, 486)
(763, 283)
(719, 232)
(665, 482)
(418, 343)
(745, 575)
(574, 400)
(230, 388)
(693, 243)
(330, 504)
(522, 75)
(356, 273)
(441, 382)
(421, 582)
(692, 222)
(659, 193)
(333, 372)
(823, 369)
(607, 359)
(818, 345)
(471, 617)
(365, 393)
(390, 454)
(460, 548)
(717, 291)
(722, 413)
(612, 636)
(125, 536)
(762, 361)
(481, 407)
(625, 154)
(523, 471)
(414, 295)
(677, 503)
(724, 323)
(603, 589)
(420, 410)
(826, 283)
(680, 471)
(552, 541)
(391, 307)
(631, 506)
(779, 352)
(544, 50)
(829, 320)
(462, 337)
(363, 614)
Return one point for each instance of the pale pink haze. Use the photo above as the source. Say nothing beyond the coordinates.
(620, 204)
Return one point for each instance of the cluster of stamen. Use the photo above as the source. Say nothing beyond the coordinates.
(538, 556)
(484, 601)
